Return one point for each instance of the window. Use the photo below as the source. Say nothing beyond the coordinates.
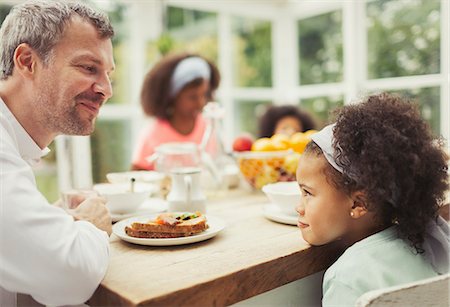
(247, 114)
(404, 53)
(320, 45)
(320, 107)
(252, 53)
(110, 147)
(403, 38)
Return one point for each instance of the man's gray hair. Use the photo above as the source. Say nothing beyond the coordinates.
(41, 24)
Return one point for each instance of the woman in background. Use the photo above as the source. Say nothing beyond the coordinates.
(285, 119)
(174, 92)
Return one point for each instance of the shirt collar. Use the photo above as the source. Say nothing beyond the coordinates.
(28, 148)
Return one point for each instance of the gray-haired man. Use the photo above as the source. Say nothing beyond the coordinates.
(55, 61)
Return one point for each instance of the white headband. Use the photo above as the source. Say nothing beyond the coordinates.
(188, 70)
(324, 139)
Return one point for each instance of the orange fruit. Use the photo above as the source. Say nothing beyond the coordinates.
(280, 141)
(298, 141)
(263, 144)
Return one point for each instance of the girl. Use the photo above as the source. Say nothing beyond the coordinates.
(286, 119)
(374, 180)
(175, 92)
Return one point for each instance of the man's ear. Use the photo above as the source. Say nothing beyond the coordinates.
(25, 60)
(359, 207)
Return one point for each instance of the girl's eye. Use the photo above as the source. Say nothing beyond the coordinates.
(305, 192)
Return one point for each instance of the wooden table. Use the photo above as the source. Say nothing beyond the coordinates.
(250, 256)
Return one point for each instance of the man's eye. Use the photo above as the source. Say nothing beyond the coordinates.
(88, 68)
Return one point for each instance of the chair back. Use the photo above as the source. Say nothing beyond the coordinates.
(432, 291)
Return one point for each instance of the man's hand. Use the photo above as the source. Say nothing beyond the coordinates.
(93, 210)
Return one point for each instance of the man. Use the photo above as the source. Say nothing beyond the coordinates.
(55, 61)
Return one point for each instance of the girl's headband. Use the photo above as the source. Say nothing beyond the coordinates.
(324, 139)
(186, 71)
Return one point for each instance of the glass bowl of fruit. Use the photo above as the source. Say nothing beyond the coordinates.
(263, 167)
(270, 160)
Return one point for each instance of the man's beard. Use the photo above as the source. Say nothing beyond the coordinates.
(64, 118)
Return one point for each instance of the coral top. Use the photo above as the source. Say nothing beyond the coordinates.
(160, 132)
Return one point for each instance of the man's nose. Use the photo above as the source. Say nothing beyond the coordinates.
(103, 86)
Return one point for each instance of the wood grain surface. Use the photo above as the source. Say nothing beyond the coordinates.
(250, 256)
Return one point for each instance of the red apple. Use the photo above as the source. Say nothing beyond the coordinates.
(243, 143)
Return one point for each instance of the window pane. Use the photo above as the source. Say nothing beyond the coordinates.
(429, 102)
(320, 108)
(252, 53)
(403, 38)
(247, 114)
(121, 75)
(186, 31)
(320, 47)
(4, 10)
(110, 148)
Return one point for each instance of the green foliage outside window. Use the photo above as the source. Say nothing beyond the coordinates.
(247, 114)
(252, 53)
(403, 38)
(110, 148)
(321, 107)
(429, 104)
(4, 11)
(186, 31)
(320, 48)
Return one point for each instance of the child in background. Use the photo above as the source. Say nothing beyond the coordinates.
(174, 92)
(285, 119)
(374, 180)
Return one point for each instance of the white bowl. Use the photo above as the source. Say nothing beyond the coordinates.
(140, 176)
(285, 195)
(120, 200)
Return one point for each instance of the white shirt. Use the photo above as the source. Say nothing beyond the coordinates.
(384, 260)
(43, 251)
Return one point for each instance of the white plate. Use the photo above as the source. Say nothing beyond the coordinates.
(272, 212)
(215, 226)
(150, 205)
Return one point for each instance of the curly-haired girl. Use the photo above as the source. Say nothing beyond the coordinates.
(285, 119)
(174, 92)
(374, 181)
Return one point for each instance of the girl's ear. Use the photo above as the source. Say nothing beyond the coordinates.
(359, 207)
(25, 60)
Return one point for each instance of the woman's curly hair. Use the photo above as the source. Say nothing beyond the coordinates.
(155, 94)
(389, 152)
(273, 114)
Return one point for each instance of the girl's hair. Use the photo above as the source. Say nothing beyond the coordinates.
(155, 95)
(273, 114)
(41, 24)
(388, 151)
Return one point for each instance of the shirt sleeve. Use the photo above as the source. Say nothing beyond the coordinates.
(43, 251)
(337, 294)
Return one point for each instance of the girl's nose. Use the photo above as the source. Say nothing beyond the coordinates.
(300, 208)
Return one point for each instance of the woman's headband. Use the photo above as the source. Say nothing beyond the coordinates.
(188, 70)
(324, 139)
